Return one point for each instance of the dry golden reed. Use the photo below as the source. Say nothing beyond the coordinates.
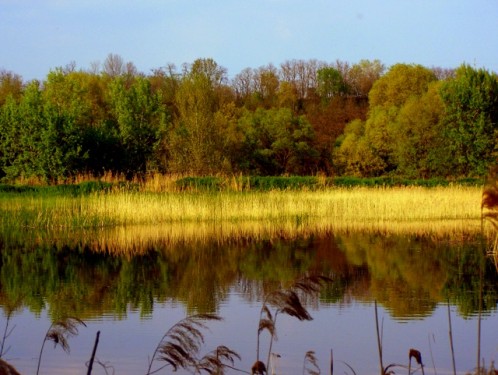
(396, 206)
(139, 218)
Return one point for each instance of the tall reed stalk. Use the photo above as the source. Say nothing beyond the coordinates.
(350, 207)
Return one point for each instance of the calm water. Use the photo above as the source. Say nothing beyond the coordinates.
(419, 285)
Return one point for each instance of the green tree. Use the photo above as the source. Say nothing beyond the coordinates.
(70, 109)
(43, 134)
(61, 146)
(287, 96)
(141, 122)
(380, 135)
(398, 84)
(80, 102)
(10, 126)
(277, 142)
(330, 83)
(22, 125)
(388, 95)
(195, 145)
(355, 156)
(231, 143)
(470, 120)
(418, 135)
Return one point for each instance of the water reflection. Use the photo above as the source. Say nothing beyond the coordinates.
(114, 276)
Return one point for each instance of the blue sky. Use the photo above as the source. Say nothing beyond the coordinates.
(40, 35)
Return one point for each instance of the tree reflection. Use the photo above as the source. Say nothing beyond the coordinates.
(409, 276)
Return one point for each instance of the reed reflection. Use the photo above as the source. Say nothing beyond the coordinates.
(92, 276)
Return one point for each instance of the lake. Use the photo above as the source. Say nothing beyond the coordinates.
(134, 284)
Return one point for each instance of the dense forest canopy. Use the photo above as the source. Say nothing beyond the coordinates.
(301, 118)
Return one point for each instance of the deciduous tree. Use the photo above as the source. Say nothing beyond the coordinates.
(10, 84)
(141, 123)
(330, 83)
(418, 134)
(195, 141)
(471, 119)
(381, 131)
(355, 156)
(266, 83)
(398, 84)
(278, 142)
(362, 76)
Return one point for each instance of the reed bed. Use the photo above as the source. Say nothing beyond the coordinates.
(139, 239)
(449, 210)
(364, 205)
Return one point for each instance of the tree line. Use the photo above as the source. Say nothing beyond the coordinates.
(301, 118)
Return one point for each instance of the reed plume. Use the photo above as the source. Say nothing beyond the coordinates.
(258, 368)
(59, 332)
(310, 365)
(7, 368)
(287, 301)
(215, 361)
(414, 353)
(266, 323)
(181, 344)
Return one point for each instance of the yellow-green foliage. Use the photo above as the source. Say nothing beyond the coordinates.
(453, 209)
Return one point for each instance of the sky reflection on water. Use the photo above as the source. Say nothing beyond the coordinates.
(348, 330)
(134, 300)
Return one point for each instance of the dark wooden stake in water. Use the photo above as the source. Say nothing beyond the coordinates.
(331, 362)
(90, 365)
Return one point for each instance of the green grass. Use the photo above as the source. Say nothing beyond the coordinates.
(268, 183)
(83, 188)
(235, 183)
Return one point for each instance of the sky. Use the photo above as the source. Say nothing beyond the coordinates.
(40, 35)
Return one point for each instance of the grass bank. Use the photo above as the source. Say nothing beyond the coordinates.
(158, 183)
